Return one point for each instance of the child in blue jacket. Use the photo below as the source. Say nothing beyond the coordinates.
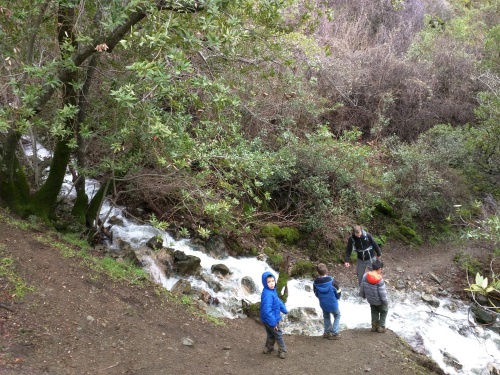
(270, 308)
(328, 293)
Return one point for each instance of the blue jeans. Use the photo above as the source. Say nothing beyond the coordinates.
(274, 336)
(328, 321)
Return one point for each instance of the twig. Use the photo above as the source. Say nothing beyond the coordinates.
(4, 306)
(107, 368)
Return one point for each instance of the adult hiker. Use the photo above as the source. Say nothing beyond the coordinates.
(366, 248)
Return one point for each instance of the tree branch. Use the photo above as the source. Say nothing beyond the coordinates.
(112, 38)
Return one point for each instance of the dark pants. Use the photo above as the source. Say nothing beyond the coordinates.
(274, 336)
(362, 266)
(379, 313)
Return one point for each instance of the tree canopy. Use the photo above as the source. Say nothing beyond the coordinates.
(223, 115)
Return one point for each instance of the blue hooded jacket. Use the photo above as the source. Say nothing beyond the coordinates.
(270, 303)
(327, 294)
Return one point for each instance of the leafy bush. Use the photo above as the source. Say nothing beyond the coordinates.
(468, 263)
(273, 259)
(303, 268)
(288, 236)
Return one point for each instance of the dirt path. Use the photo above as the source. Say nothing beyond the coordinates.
(79, 322)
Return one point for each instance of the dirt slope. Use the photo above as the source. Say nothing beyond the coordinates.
(79, 322)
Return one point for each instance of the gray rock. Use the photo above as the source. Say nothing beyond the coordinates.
(483, 316)
(248, 285)
(215, 285)
(155, 243)
(186, 264)
(431, 300)
(451, 361)
(436, 278)
(220, 269)
(400, 284)
(181, 287)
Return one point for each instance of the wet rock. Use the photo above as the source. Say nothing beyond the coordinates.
(443, 293)
(301, 314)
(248, 285)
(165, 257)
(310, 311)
(181, 287)
(186, 264)
(452, 307)
(220, 269)
(494, 369)
(400, 284)
(431, 300)
(483, 316)
(208, 298)
(118, 220)
(451, 361)
(216, 248)
(215, 285)
(155, 243)
(295, 315)
(430, 289)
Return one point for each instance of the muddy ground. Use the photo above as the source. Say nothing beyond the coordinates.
(77, 321)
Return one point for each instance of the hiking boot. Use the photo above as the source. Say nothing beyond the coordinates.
(267, 350)
(334, 336)
(374, 327)
(381, 329)
(282, 355)
(327, 335)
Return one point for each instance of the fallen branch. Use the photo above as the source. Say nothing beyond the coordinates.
(5, 306)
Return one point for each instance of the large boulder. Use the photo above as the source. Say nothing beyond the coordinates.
(186, 264)
(155, 243)
(181, 287)
(248, 285)
(165, 257)
(483, 316)
(220, 269)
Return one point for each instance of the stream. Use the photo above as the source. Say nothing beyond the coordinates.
(444, 333)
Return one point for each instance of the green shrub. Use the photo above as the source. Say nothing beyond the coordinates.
(303, 268)
(410, 235)
(404, 233)
(275, 261)
(288, 236)
(384, 208)
(468, 262)
(270, 230)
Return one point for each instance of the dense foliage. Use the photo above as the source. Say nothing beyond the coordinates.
(218, 116)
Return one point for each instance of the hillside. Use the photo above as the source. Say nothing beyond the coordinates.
(77, 321)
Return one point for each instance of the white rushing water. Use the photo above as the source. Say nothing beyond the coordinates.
(440, 333)
(437, 332)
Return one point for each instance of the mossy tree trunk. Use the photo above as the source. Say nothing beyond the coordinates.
(14, 188)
